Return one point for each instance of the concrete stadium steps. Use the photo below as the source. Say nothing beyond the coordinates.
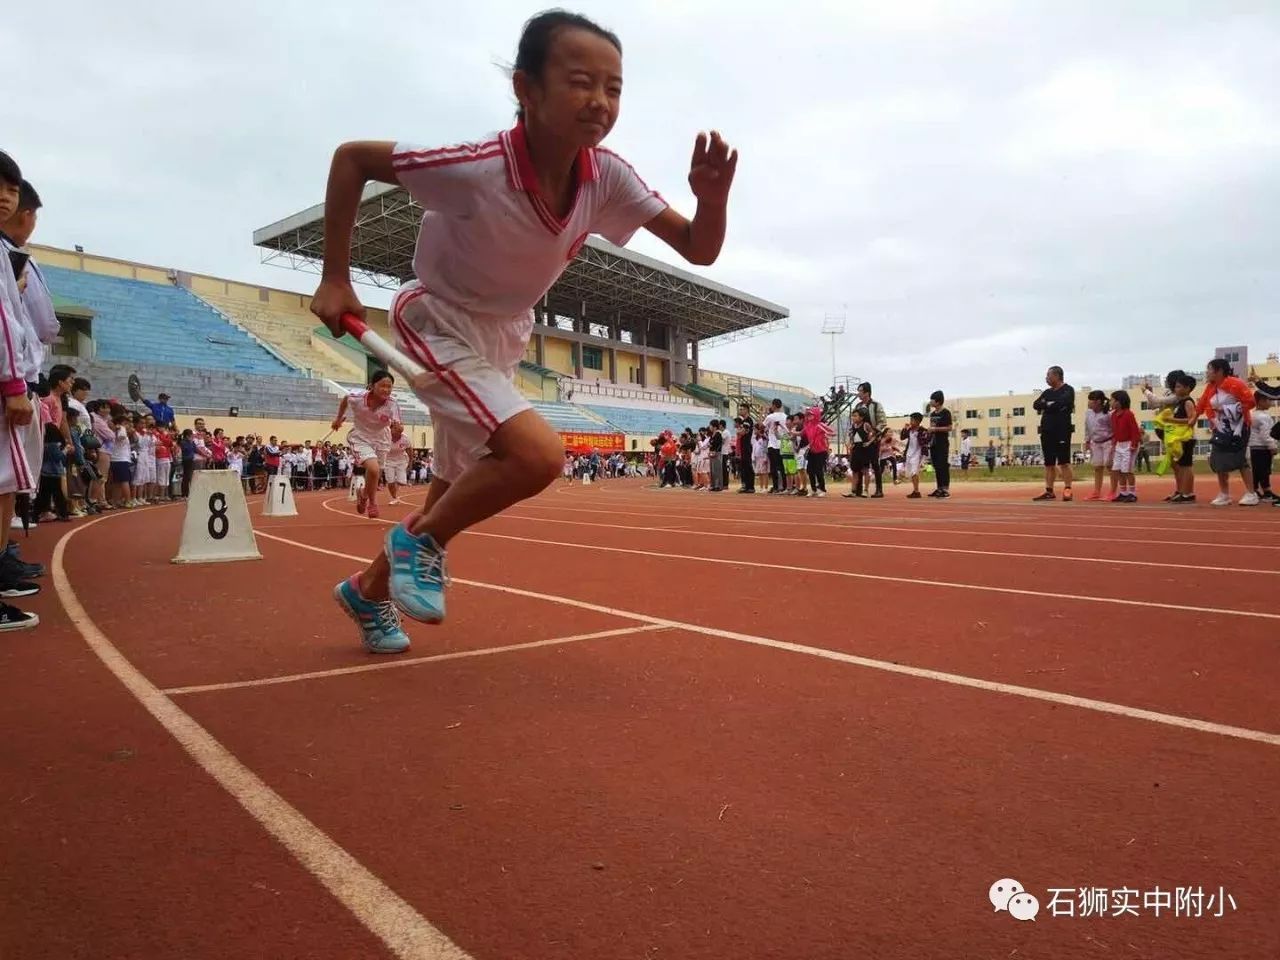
(154, 323)
(712, 398)
(210, 391)
(288, 332)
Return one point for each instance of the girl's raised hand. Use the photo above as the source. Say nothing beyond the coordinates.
(711, 169)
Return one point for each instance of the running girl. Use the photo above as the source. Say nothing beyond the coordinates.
(397, 462)
(373, 413)
(504, 217)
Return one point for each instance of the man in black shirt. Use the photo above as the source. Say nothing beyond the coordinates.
(1056, 405)
(940, 449)
(746, 430)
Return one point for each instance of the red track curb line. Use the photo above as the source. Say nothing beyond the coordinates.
(406, 932)
(990, 686)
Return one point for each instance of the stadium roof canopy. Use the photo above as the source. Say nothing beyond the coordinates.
(609, 279)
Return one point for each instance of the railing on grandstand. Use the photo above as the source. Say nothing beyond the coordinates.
(740, 390)
(573, 390)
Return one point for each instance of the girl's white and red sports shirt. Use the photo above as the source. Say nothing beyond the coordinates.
(372, 423)
(398, 452)
(488, 243)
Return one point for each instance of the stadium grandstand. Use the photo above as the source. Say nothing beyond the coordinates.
(617, 340)
(614, 359)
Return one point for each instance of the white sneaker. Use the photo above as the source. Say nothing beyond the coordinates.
(1250, 499)
(1221, 500)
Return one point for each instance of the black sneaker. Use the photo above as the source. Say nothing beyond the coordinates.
(13, 567)
(11, 587)
(1047, 495)
(11, 618)
(944, 494)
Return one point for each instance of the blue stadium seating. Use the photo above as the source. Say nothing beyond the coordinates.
(652, 422)
(567, 417)
(162, 324)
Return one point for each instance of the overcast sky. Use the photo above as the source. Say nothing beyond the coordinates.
(981, 188)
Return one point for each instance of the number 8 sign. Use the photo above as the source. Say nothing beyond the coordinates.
(218, 523)
(217, 527)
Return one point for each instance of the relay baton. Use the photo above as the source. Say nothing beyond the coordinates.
(417, 376)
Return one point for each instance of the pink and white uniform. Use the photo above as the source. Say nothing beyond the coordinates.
(396, 466)
(488, 249)
(16, 474)
(370, 435)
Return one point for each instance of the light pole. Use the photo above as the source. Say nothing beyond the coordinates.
(833, 326)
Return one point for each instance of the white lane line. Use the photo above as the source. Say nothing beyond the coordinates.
(883, 578)
(794, 522)
(1181, 516)
(914, 548)
(939, 676)
(876, 577)
(410, 662)
(406, 932)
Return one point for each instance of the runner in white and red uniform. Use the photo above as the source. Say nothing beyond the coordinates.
(397, 462)
(372, 414)
(503, 216)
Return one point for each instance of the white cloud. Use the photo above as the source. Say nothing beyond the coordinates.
(983, 188)
(1185, 117)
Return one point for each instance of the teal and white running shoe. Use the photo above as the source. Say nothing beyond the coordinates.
(378, 620)
(418, 576)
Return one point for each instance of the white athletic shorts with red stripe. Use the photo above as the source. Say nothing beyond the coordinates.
(365, 448)
(15, 473)
(396, 471)
(474, 359)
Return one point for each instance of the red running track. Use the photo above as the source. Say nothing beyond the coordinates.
(722, 759)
